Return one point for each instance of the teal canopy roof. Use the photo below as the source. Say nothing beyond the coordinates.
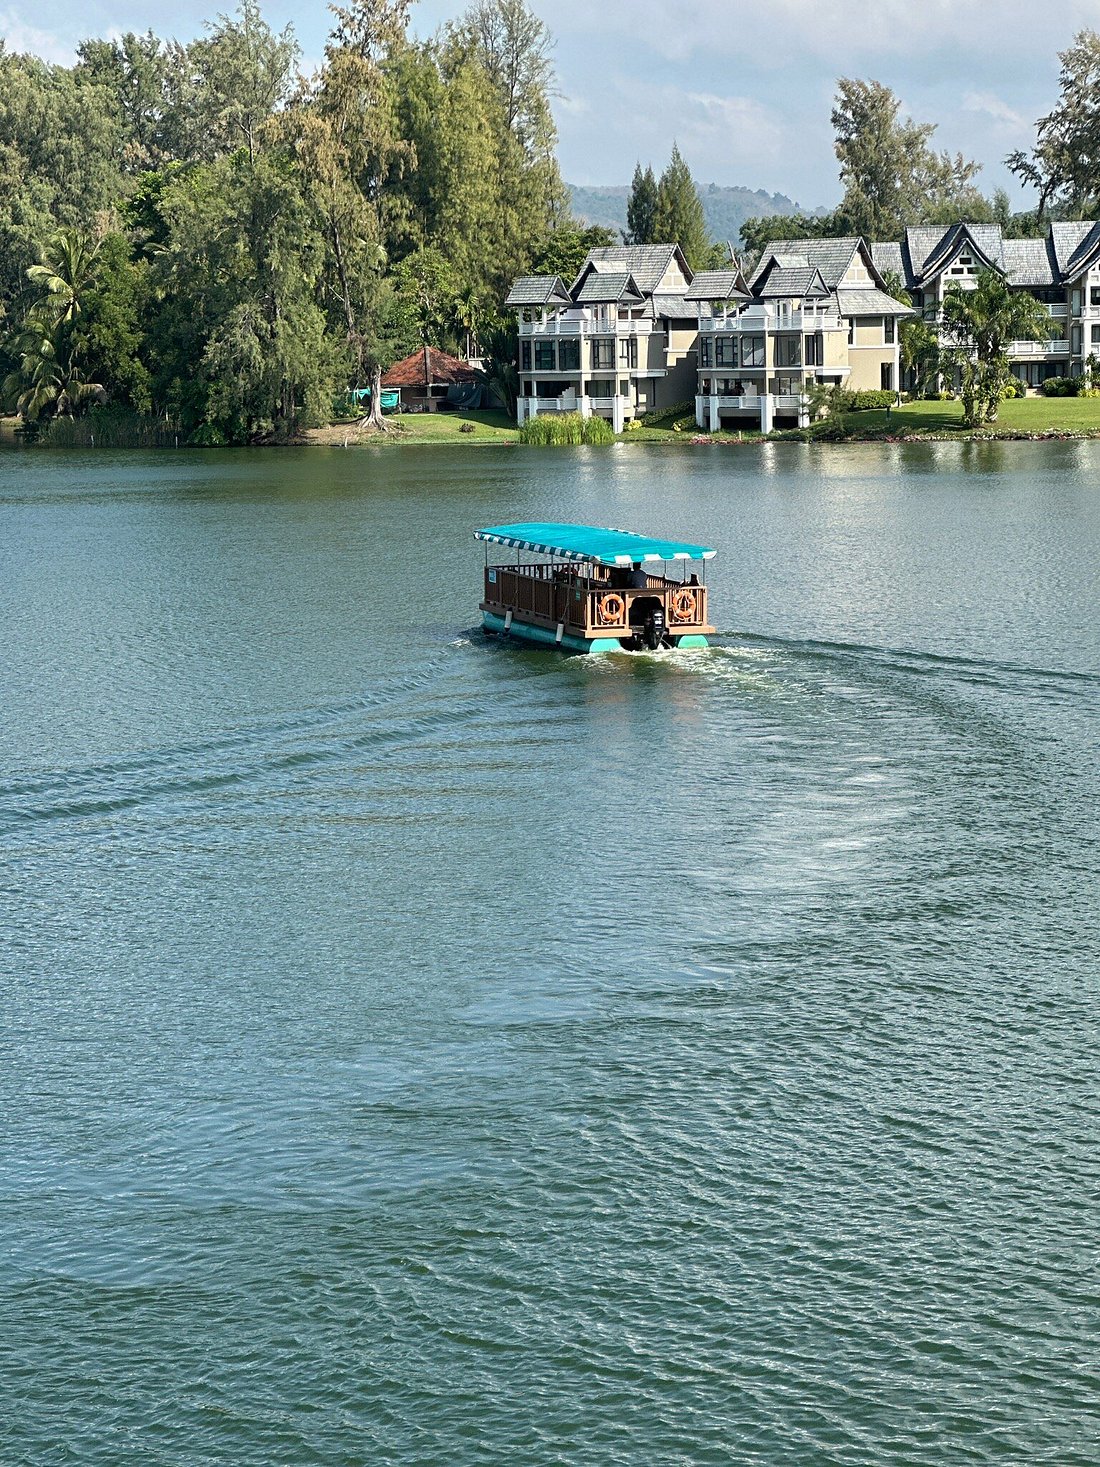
(589, 542)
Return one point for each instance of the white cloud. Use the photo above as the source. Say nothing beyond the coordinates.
(1006, 117)
(18, 36)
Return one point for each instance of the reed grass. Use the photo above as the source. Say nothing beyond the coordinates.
(565, 428)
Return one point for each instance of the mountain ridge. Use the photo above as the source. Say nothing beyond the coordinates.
(726, 207)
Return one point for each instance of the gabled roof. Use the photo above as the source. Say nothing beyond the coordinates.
(831, 256)
(1085, 255)
(864, 300)
(718, 285)
(1068, 239)
(537, 290)
(647, 263)
(1029, 262)
(672, 307)
(983, 240)
(781, 281)
(428, 366)
(596, 287)
(887, 257)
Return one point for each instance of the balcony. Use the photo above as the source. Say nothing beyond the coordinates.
(767, 318)
(585, 326)
(1043, 350)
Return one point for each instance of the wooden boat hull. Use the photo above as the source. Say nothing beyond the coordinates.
(568, 641)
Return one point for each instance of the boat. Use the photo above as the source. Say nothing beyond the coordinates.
(591, 589)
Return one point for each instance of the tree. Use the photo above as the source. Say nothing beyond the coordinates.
(47, 380)
(679, 217)
(757, 234)
(979, 325)
(641, 208)
(565, 250)
(64, 275)
(244, 74)
(1064, 165)
(498, 349)
(891, 176)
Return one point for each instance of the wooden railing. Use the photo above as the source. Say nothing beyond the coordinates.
(577, 598)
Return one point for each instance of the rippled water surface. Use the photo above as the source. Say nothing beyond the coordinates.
(421, 1051)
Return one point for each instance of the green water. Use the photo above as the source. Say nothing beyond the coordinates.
(420, 1051)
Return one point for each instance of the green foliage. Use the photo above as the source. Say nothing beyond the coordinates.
(1064, 165)
(565, 428)
(679, 214)
(564, 250)
(1062, 387)
(499, 346)
(980, 324)
(845, 401)
(641, 208)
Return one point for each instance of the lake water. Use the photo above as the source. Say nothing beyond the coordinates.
(422, 1051)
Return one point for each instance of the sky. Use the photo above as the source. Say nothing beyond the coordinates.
(745, 91)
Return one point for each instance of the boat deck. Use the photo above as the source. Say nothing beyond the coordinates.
(591, 601)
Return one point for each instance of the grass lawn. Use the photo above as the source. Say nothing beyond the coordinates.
(1017, 415)
(491, 426)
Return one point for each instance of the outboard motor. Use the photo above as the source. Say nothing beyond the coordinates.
(653, 631)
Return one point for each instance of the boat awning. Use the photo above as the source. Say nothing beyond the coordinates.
(590, 542)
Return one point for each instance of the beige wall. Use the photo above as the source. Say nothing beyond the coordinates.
(866, 367)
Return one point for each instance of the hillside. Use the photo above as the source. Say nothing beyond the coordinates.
(725, 208)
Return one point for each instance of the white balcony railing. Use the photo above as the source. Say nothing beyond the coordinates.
(581, 326)
(742, 404)
(1044, 349)
(767, 318)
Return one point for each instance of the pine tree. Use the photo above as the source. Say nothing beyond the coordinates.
(679, 213)
(641, 208)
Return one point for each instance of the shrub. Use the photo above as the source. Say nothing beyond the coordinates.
(466, 427)
(846, 401)
(565, 428)
(1015, 389)
(1062, 386)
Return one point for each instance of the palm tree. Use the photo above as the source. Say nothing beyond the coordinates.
(68, 264)
(47, 380)
(979, 325)
(499, 374)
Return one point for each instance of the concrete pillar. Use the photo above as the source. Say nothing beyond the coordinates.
(803, 412)
(766, 412)
(713, 420)
(584, 404)
(699, 411)
(519, 409)
(617, 413)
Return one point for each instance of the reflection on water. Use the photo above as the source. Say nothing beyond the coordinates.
(424, 1049)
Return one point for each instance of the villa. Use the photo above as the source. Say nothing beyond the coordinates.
(815, 310)
(618, 342)
(1062, 270)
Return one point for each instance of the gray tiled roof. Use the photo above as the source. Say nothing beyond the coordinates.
(887, 256)
(599, 287)
(920, 244)
(716, 285)
(647, 263)
(1067, 240)
(1085, 253)
(674, 307)
(537, 290)
(1028, 262)
(867, 301)
(831, 256)
(780, 282)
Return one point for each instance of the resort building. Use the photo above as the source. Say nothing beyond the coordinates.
(1062, 270)
(814, 310)
(619, 341)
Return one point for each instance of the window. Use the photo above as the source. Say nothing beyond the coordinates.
(787, 352)
(812, 351)
(569, 354)
(601, 388)
(851, 331)
(1094, 295)
(603, 355)
(725, 351)
(704, 352)
(628, 352)
(752, 351)
(887, 377)
(1096, 336)
(544, 356)
(1075, 339)
(888, 330)
(525, 356)
(1075, 303)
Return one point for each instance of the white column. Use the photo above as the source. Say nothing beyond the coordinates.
(713, 420)
(520, 400)
(584, 404)
(803, 411)
(766, 412)
(617, 413)
(699, 411)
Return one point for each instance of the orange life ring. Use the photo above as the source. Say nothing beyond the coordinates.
(684, 605)
(610, 609)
